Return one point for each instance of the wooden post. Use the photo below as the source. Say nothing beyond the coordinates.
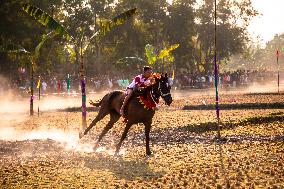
(277, 54)
(83, 91)
(216, 71)
(32, 90)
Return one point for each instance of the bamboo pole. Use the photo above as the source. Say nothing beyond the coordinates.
(216, 70)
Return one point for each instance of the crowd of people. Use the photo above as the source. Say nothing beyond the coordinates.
(62, 84)
(235, 79)
(59, 84)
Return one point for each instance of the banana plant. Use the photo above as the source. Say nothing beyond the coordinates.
(50, 23)
(32, 56)
(105, 27)
(151, 56)
(164, 55)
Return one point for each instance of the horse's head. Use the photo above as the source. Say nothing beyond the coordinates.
(163, 88)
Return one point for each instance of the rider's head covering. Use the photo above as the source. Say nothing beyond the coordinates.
(145, 68)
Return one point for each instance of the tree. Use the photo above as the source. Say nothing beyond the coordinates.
(180, 29)
(256, 57)
(231, 36)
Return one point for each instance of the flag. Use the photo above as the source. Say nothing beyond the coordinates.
(68, 83)
(38, 83)
(277, 55)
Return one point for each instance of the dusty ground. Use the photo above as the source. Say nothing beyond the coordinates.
(45, 152)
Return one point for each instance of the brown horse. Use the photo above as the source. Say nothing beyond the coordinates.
(136, 110)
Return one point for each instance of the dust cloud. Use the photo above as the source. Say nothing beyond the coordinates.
(15, 109)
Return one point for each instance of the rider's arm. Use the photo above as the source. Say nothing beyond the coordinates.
(142, 84)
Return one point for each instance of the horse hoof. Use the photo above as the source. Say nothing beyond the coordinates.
(96, 147)
(81, 134)
(116, 153)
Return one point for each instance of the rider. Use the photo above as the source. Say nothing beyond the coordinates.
(140, 81)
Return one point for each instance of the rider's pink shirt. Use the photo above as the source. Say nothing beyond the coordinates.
(139, 81)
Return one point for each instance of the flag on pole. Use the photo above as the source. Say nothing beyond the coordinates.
(278, 82)
(68, 83)
(38, 83)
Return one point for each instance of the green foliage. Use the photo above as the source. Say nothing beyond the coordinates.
(71, 52)
(108, 25)
(44, 38)
(150, 54)
(158, 23)
(118, 20)
(166, 52)
(255, 57)
(46, 20)
(152, 57)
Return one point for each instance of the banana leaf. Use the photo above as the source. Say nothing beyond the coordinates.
(72, 52)
(108, 25)
(46, 20)
(150, 54)
(44, 38)
(166, 52)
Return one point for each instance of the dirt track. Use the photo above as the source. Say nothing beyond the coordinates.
(185, 155)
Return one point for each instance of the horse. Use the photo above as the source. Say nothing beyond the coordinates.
(140, 109)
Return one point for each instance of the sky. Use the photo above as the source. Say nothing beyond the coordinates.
(271, 20)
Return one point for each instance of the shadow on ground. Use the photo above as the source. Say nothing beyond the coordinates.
(196, 133)
(276, 105)
(122, 168)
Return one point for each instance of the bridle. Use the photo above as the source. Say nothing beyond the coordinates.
(154, 98)
(162, 94)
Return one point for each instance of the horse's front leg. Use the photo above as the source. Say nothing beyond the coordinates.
(147, 134)
(124, 134)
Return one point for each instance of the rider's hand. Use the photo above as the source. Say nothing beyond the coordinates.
(152, 80)
(140, 88)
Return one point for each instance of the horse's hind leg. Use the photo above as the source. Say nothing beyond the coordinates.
(102, 113)
(124, 134)
(114, 117)
(147, 135)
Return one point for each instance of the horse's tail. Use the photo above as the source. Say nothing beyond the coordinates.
(108, 98)
(98, 103)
